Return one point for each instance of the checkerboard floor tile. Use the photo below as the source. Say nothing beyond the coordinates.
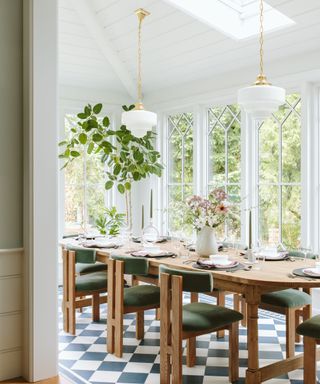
(83, 358)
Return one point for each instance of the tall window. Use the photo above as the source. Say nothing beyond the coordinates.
(180, 168)
(85, 196)
(224, 160)
(279, 179)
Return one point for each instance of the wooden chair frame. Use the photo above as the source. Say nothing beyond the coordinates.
(293, 319)
(116, 309)
(73, 299)
(172, 334)
(219, 295)
(310, 360)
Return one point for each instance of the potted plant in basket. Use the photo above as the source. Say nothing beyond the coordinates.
(206, 214)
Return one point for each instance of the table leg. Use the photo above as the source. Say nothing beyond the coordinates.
(253, 375)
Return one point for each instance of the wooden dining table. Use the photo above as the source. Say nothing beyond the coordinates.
(251, 283)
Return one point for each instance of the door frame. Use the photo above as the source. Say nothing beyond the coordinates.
(40, 110)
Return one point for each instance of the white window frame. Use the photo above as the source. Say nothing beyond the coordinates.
(310, 162)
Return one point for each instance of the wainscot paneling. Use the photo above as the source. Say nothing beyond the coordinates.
(10, 313)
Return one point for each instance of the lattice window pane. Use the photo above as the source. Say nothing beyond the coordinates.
(217, 170)
(224, 159)
(269, 214)
(180, 169)
(280, 175)
(269, 152)
(291, 215)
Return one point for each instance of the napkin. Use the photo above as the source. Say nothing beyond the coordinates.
(99, 244)
(212, 265)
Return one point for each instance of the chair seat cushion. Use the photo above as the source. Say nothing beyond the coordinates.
(92, 281)
(82, 268)
(202, 316)
(288, 298)
(141, 295)
(310, 328)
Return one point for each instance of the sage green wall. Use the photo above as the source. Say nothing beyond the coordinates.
(11, 135)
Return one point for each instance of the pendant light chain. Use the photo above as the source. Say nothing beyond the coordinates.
(261, 39)
(261, 79)
(139, 62)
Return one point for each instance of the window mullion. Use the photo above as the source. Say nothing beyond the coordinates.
(280, 184)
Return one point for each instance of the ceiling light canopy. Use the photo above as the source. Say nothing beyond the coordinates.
(139, 121)
(261, 99)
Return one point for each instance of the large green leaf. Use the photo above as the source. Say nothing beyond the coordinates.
(83, 138)
(106, 122)
(90, 148)
(97, 137)
(116, 169)
(121, 188)
(75, 154)
(108, 184)
(97, 108)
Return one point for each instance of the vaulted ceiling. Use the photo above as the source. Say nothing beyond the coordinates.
(98, 39)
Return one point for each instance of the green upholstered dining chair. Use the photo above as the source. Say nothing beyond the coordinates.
(179, 322)
(121, 300)
(81, 290)
(86, 261)
(310, 330)
(294, 304)
(236, 245)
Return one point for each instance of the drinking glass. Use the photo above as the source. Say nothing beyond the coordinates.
(259, 256)
(306, 252)
(317, 262)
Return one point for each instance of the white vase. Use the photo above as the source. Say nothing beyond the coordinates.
(206, 244)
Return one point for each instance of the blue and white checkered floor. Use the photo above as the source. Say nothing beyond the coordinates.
(83, 358)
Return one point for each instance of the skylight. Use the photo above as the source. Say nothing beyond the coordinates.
(237, 19)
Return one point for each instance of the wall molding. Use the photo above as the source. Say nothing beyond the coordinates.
(11, 250)
(9, 350)
(11, 313)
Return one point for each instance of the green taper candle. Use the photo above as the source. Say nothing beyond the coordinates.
(250, 229)
(142, 217)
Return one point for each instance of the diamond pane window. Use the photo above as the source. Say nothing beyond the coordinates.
(224, 159)
(180, 169)
(279, 176)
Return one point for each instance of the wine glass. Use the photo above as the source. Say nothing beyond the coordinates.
(259, 256)
(306, 251)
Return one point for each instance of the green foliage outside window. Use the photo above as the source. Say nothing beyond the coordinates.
(280, 175)
(279, 169)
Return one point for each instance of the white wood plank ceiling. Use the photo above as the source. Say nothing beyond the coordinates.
(177, 49)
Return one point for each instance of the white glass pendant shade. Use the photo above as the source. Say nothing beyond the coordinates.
(139, 121)
(260, 101)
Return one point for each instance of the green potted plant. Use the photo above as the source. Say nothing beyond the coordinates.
(128, 158)
(110, 222)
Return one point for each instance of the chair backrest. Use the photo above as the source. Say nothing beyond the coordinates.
(83, 255)
(300, 254)
(235, 245)
(197, 282)
(133, 265)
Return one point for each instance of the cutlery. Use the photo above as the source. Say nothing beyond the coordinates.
(247, 268)
(292, 276)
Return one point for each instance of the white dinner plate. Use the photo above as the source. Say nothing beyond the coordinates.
(312, 272)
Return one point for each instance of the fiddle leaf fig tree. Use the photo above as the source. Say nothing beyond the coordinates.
(128, 158)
